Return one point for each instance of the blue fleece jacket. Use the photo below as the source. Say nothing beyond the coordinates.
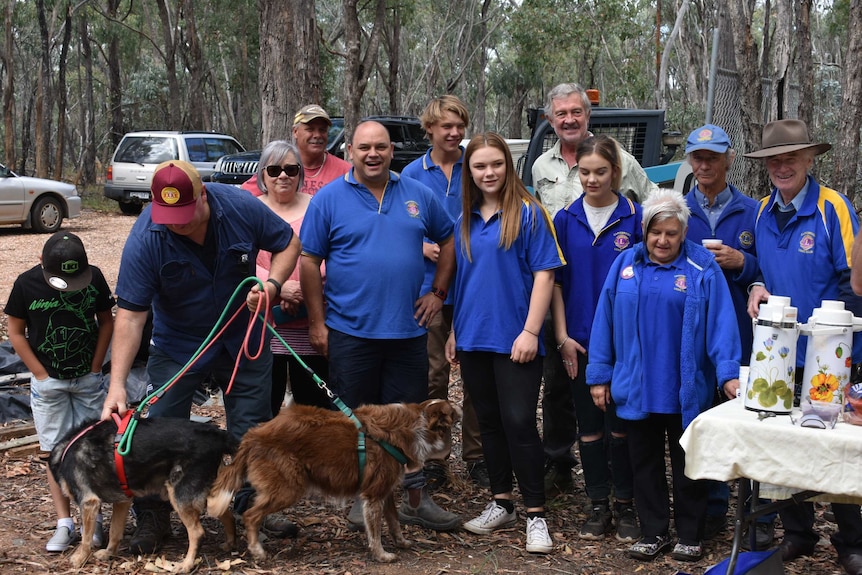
(709, 339)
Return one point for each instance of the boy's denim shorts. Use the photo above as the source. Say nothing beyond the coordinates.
(60, 405)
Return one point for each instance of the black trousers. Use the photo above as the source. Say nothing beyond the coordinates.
(652, 501)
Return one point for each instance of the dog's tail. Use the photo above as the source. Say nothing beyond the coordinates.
(229, 479)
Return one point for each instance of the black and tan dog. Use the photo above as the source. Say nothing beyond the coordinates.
(308, 449)
(177, 459)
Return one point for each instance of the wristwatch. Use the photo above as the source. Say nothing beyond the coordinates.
(441, 293)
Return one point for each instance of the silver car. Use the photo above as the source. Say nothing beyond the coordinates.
(36, 203)
(136, 157)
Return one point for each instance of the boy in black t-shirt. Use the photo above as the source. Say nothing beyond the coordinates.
(60, 324)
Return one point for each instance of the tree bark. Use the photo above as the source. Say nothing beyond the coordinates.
(169, 37)
(739, 14)
(44, 102)
(846, 150)
(115, 84)
(9, 87)
(199, 117)
(62, 94)
(359, 65)
(88, 113)
(805, 111)
(288, 49)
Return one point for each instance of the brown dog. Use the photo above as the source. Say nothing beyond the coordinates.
(175, 458)
(311, 449)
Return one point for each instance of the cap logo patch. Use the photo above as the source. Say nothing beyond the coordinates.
(69, 267)
(170, 195)
(704, 135)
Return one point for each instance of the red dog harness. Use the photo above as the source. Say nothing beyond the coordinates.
(122, 424)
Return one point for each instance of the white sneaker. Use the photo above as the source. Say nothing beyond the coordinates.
(493, 517)
(538, 538)
(61, 540)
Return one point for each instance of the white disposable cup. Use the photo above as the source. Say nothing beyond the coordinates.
(707, 242)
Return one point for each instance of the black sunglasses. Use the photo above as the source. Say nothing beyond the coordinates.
(289, 169)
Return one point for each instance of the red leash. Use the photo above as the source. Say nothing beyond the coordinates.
(122, 424)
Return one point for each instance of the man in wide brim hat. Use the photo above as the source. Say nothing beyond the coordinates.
(785, 136)
(803, 236)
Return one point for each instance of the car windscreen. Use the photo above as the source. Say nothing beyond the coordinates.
(146, 150)
(210, 149)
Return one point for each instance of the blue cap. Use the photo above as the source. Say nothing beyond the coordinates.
(708, 137)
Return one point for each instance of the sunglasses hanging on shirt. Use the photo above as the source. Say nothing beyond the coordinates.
(275, 171)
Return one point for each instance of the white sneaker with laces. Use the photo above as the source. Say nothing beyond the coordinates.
(538, 538)
(61, 540)
(493, 517)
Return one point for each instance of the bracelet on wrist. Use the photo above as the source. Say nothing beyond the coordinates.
(276, 284)
(562, 343)
(530, 332)
(441, 293)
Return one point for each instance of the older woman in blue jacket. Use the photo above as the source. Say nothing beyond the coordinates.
(664, 336)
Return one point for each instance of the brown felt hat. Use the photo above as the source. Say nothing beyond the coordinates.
(785, 136)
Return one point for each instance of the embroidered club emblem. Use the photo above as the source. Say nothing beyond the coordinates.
(622, 240)
(704, 135)
(679, 283)
(806, 243)
(627, 273)
(412, 209)
(746, 239)
(170, 195)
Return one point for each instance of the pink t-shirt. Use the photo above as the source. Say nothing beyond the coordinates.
(333, 167)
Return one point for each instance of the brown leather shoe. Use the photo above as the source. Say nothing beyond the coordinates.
(852, 563)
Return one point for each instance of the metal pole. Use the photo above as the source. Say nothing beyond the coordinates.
(713, 72)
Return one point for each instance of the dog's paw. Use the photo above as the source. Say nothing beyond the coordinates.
(403, 543)
(79, 557)
(102, 555)
(257, 552)
(385, 557)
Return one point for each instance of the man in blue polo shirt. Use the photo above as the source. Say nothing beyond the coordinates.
(720, 211)
(804, 235)
(369, 227)
(184, 258)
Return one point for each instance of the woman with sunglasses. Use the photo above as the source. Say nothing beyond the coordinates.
(279, 178)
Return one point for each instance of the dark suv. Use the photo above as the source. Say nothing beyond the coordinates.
(405, 132)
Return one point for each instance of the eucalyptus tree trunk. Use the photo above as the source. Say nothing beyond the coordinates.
(9, 86)
(289, 64)
(359, 65)
(115, 83)
(170, 33)
(739, 14)
(805, 66)
(62, 94)
(88, 114)
(846, 150)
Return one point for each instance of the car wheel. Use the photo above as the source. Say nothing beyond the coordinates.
(47, 215)
(131, 208)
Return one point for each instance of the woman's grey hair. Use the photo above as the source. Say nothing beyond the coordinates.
(664, 204)
(563, 91)
(275, 152)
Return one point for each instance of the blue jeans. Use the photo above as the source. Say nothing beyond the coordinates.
(247, 403)
(378, 371)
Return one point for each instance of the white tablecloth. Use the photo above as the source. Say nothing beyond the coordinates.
(729, 442)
